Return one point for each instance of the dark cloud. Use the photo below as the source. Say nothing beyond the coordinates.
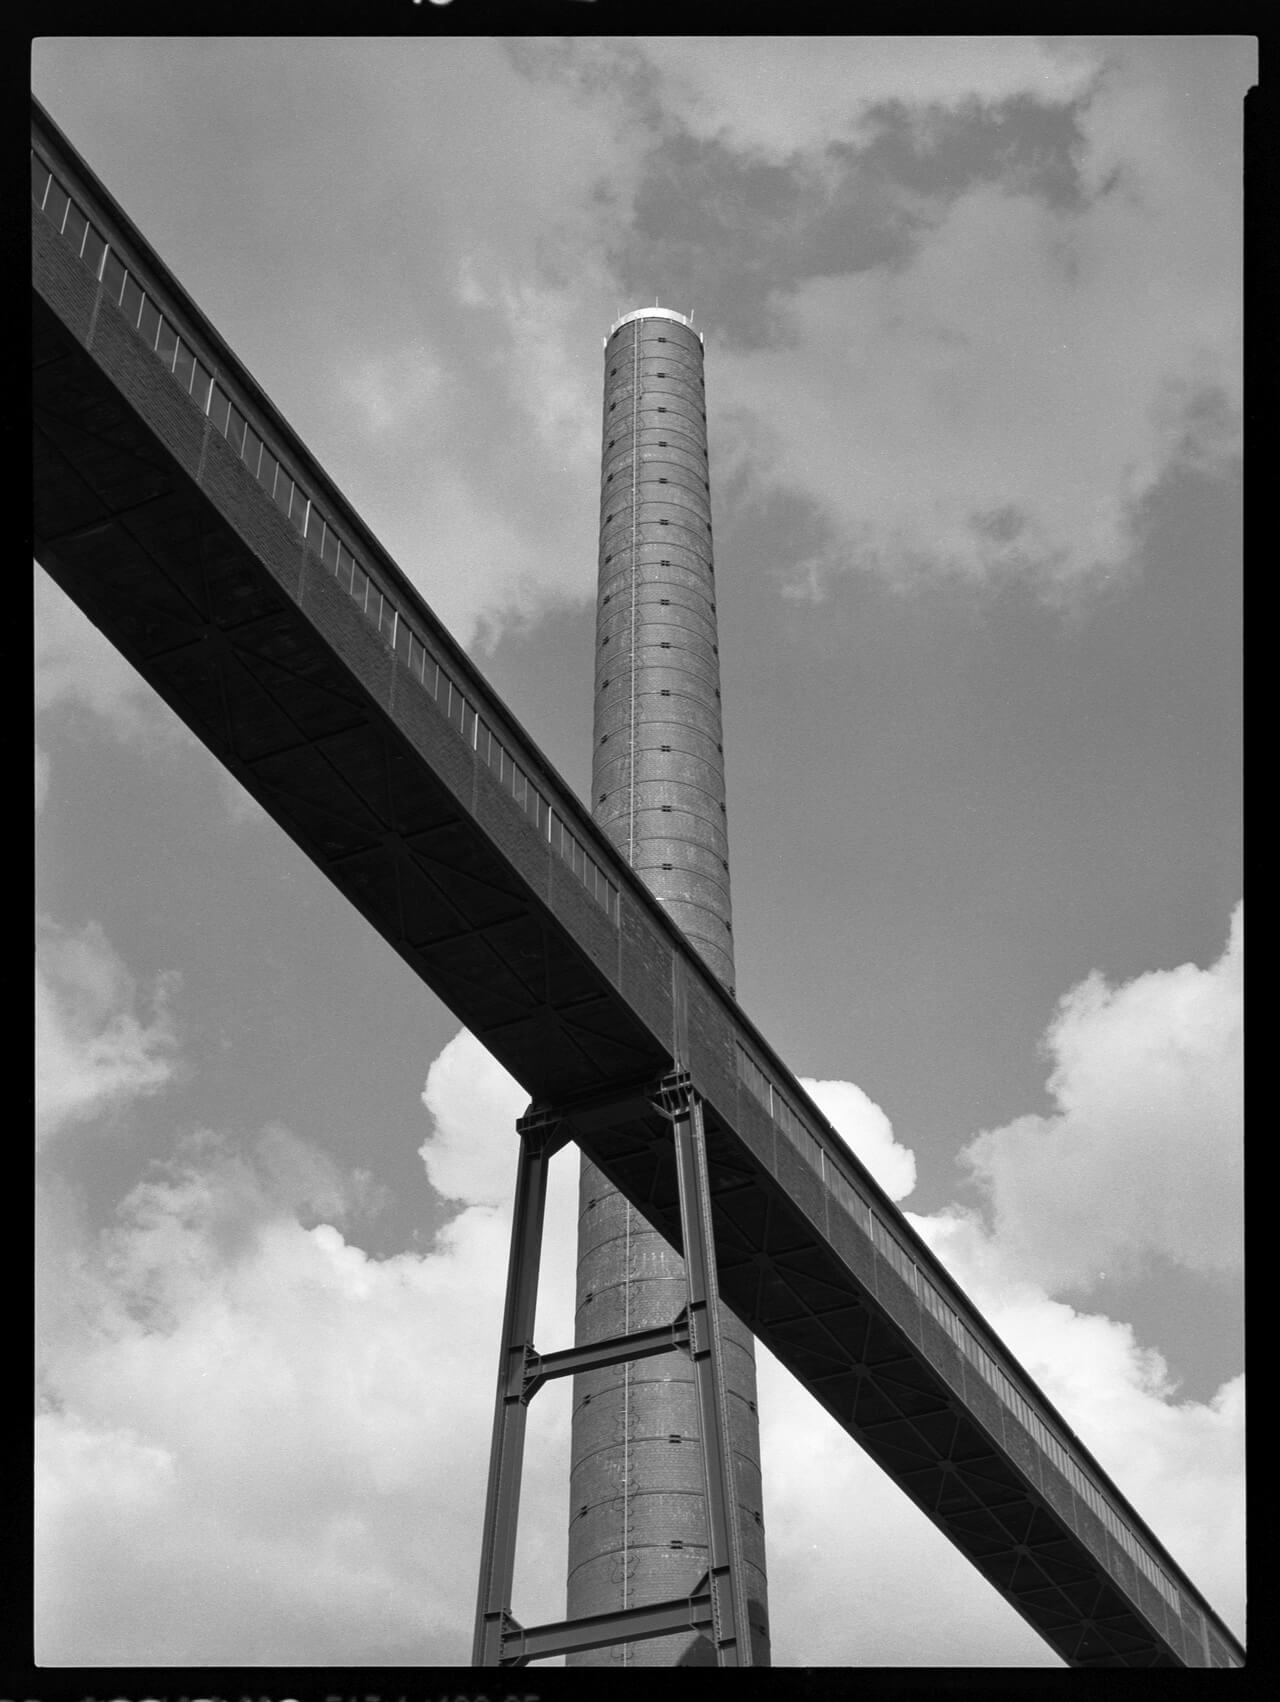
(1019, 143)
(729, 233)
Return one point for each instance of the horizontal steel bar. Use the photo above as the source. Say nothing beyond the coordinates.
(616, 1350)
(599, 1630)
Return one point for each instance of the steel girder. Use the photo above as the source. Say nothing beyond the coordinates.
(717, 1603)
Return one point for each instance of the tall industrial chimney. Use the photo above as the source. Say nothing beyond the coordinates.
(638, 1525)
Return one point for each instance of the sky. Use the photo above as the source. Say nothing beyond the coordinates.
(973, 359)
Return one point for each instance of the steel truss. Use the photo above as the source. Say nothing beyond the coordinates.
(717, 1602)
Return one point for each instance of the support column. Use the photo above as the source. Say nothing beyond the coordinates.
(540, 1138)
(716, 1604)
(726, 1574)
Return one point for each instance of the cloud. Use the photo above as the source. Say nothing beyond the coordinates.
(780, 95)
(1001, 405)
(868, 1133)
(94, 1051)
(259, 1445)
(1143, 1155)
(471, 1152)
(972, 299)
(1180, 1463)
(1142, 1158)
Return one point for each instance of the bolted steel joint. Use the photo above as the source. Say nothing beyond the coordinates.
(674, 1096)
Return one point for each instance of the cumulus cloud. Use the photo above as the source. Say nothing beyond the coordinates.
(1180, 1463)
(471, 1152)
(1002, 404)
(1143, 1155)
(287, 1438)
(94, 1051)
(1141, 1158)
(973, 299)
(868, 1133)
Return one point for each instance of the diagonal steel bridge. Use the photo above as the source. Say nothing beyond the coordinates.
(174, 504)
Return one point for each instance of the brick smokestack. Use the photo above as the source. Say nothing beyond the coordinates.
(637, 1523)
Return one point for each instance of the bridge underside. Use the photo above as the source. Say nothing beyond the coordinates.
(266, 673)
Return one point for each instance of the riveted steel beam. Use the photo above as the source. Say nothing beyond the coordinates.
(617, 1350)
(541, 1136)
(521, 1644)
(731, 1633)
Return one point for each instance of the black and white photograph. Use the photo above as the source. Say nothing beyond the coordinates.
(639, 884)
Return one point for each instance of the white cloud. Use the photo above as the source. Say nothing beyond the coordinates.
(94, 1051)
(542, 330)
(1180, 1463)
(868, 1132)
(471, 1152)
(261, 1446)
(1002, 404)
(1143, 1156)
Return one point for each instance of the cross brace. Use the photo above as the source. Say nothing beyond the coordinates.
(521, 1644)
(717, 1603)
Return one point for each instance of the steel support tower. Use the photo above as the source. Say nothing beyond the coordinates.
(638, 1522)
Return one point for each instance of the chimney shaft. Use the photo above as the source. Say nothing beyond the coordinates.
(637, 1524)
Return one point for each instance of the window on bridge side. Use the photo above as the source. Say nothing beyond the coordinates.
(75, 227)
(94, 250)
(251, 454)
(329, 548)
(56, 202)
(113, 276)
(131, 300)
(268, 467)
(219, 409)
(347, 569)
(284, 492)
(184, 365)
(167, 343)
(149, 322)
(201, 386)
